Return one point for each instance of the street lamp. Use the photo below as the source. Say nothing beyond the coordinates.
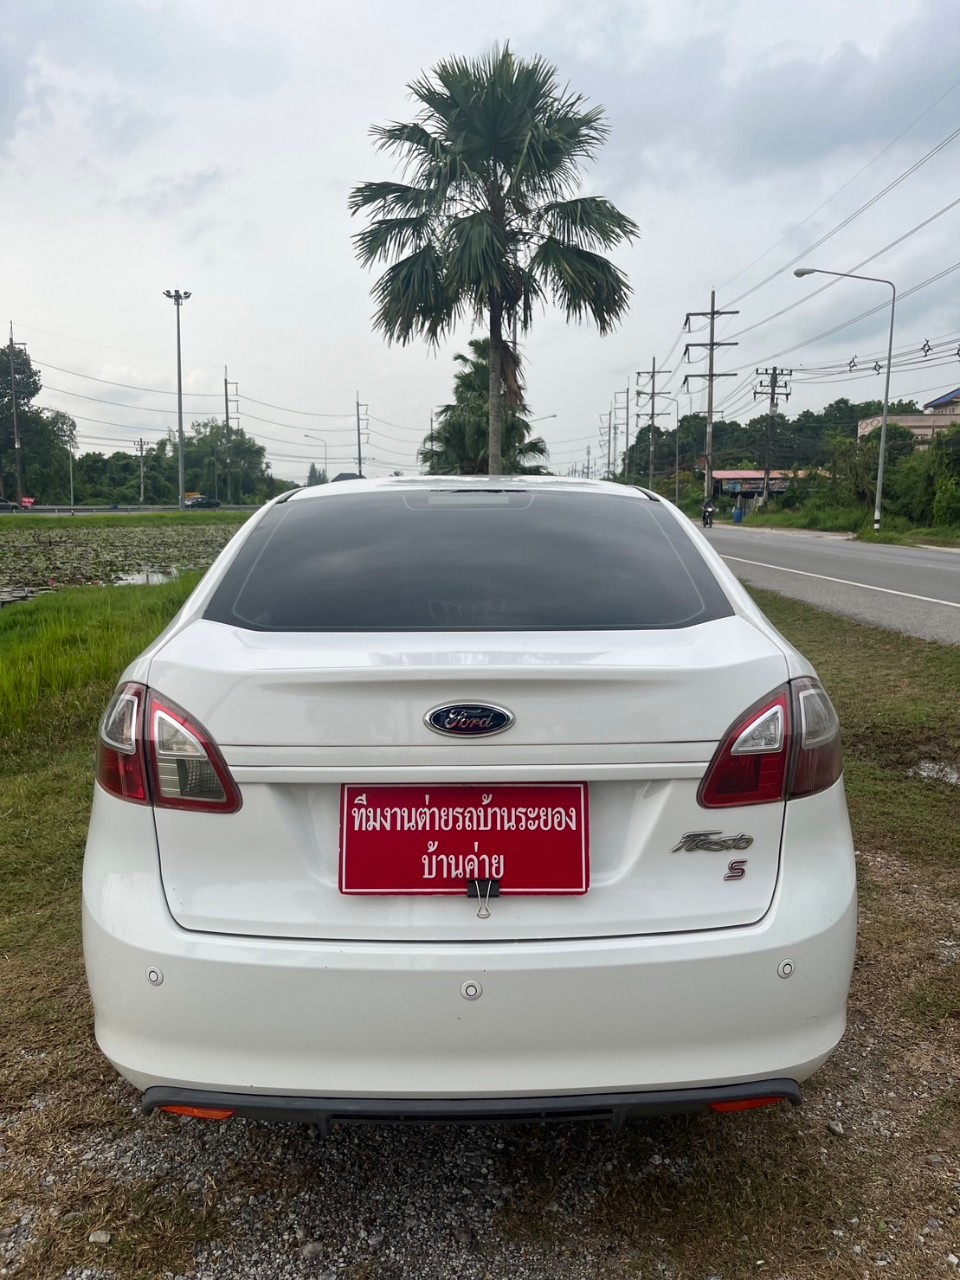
(848, 275)
(543, 419)
(178, 300)
(676, 440)
(309, 436)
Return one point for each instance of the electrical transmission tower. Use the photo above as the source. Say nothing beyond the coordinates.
(651, 373)
(710, 376)
(619, 409)
(777, 389)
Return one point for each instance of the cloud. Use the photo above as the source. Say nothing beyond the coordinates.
(684, 107)
(165, 195)
(126, 56)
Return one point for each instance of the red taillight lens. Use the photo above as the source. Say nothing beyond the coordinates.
(787, 745)
(149, 749)
(121, 768)
(750, 765)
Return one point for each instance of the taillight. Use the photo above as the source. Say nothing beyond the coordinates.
(786, 745)
(750, 765)
(151, 750)
(120, 763)
(818, 755)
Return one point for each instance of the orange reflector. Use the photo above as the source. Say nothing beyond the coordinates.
(200, 1113)
(745, 1104)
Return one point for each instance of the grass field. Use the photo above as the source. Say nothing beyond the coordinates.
(776, 1187)
(133, 520)
(895, 530)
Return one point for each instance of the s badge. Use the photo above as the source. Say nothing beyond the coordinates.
(736, 869)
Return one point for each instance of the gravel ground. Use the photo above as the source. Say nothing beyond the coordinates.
(863, 1179)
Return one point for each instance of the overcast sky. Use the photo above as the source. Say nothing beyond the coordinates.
(210, 146)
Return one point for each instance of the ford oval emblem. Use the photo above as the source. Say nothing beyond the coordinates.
(468, 719)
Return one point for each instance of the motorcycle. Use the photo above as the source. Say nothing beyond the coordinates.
(708, 517)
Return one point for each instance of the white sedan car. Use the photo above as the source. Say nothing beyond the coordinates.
(485, 798)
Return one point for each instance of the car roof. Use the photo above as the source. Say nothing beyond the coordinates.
(462, 484)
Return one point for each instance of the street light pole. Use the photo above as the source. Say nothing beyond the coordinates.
(178, 301)
(309, 436)
(848, 275)
(676, 441)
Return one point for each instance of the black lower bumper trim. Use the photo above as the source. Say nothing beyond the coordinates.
(616, 1107)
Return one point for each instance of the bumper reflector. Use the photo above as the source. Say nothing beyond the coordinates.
(742, 1104)
(200, 1113)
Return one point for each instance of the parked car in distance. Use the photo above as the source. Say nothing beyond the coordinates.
(459, 798)
(201, 501)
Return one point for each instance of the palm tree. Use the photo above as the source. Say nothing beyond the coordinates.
(488, 226)
(458, 443)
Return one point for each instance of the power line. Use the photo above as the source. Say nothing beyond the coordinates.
(882, 306)
(805, 298)
(796, 227)
(945, 142)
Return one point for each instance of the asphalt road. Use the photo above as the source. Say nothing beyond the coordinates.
(908, 589)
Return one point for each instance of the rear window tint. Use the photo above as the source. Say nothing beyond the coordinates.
(446, 560)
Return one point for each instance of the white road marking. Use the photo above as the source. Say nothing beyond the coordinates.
(845, 582)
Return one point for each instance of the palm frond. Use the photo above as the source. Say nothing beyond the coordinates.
(393, 197)
(477, 261)
(388, 238)
(587, 221)
(412, 298)
(583, 283)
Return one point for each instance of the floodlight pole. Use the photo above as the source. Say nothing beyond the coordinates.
(178, 301)
(848, 275)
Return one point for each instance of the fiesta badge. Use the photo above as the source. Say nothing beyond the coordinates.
(468, 719)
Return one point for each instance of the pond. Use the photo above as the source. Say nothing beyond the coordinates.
(35, 560)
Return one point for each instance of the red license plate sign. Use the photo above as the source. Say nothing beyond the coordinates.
(436, 839)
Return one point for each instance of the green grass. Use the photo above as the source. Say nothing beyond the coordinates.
(898, 704)
(134, 519)
(915, 537)
(56, 649)
(826, 519)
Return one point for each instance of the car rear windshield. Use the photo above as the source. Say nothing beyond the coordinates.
(449, 560)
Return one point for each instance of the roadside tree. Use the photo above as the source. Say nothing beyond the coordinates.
(489, 226)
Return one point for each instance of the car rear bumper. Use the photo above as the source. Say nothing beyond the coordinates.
(322, 1021)
(615, 1107)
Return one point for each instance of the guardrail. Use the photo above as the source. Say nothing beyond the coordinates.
(131, 510)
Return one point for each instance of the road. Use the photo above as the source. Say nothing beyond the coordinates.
(908, 589)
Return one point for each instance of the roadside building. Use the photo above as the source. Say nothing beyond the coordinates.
(938, 415)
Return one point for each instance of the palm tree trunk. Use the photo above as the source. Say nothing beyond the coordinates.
(495, 435)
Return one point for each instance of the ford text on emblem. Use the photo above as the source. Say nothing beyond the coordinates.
(468, 719)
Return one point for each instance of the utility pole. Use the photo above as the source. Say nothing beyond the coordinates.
(588, 463)
(774, 381)
(140, 443)
(651, 373)
(229, 440)
(17, 451)
(710, 375)
(70, 456)
(178, 300)
(359, 442)
(616, 425)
